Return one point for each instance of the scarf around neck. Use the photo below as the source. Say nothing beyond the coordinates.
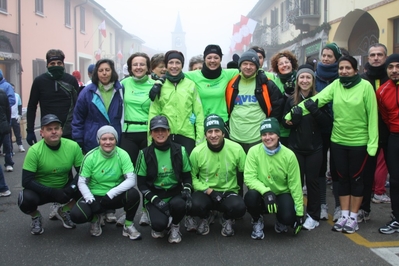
(327, 72)
(218, 149)
(140, 80)
(375, 72)
(211, 74)
(272, 152)
(285, 77)
(163, 147)
(175, 79)
(349, 82)
(108, 154)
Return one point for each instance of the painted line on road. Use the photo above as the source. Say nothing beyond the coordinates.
(358, 239)
(390, 255)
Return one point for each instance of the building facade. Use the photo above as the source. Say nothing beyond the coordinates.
(305, 26)
(82, 29)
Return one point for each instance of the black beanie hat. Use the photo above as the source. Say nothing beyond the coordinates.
(174, 54)
(251, 56)
(259, 50)
(392, 58)
(213, 49)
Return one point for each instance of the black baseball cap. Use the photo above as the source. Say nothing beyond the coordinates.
(159, 121)
(50, 118)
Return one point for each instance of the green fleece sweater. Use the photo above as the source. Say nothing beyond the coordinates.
(217, 170)
(278, 173)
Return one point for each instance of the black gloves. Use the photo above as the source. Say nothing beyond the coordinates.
(270, 202)
(106, 200)
(161, 205)
(95, 207)
(156, 89)
(312, 106)
(186, 195)
(69, 190)
(289, 86)
(216, 196)
(298, 224)
(31, 137)
(296, 115)
(59, 195)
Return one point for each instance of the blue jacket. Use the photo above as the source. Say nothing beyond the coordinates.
(90, 114)
(7, 88)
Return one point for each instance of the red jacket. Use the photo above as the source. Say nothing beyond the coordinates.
(388, 104)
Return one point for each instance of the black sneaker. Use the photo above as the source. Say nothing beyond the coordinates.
(36, 226)
(390, 228)
(65, 218)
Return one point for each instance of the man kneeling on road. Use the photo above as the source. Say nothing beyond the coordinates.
(46, 174)
(214, 168)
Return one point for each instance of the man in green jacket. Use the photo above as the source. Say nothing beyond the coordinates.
(215, 165)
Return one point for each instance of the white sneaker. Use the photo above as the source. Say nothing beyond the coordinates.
(337, 213)
(144, 219)
(95, 227)
(131, 232)
(362, 215)
(53, 213)
(174, 234)
(21, 148)
(9, 168)
(121, 220)
(110, 217)
(190, 223)
(324, 212)
(156, 234)
(5, 193)
(381, 198)
(310, 223)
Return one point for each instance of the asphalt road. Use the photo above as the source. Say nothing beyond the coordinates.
(60, 246)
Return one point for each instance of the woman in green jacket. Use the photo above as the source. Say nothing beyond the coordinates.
(178, 101)
(354, 135)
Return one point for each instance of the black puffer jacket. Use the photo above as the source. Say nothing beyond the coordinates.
(305, 137)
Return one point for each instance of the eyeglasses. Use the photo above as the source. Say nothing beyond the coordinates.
(138, 64)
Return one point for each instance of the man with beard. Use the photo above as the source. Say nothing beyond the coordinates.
(387, 98)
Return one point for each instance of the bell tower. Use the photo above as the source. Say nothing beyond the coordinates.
(179, 38)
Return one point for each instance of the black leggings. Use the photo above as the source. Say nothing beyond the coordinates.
(159, 221)
(309, 166)
(232, 205)
(129, 200)
(349, 163)
(368, 180)
(285, 211)
(392, 160)
(132, 143)
(29, 200)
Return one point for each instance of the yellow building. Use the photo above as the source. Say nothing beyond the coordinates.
(366, 22)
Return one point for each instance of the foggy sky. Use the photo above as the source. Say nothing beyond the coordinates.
(205, 21)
